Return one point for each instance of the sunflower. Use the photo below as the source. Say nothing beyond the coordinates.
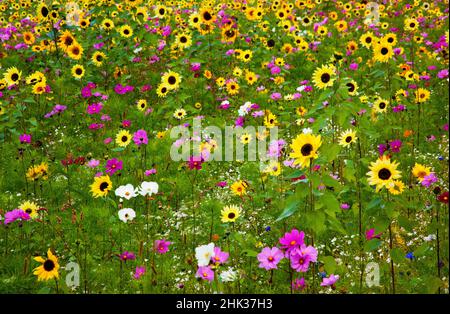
(411, 24)
(304, 148)
(84, 23)
(232, 88)
(383, 172)
(348, 137)
(43, 11)
(352, 87)
(422, 95)
(230, 213)
(270, 120)
(239, 187)
(390, 39)
(28, 38)
(162, 90)
(123, 138)
(183, 40)
(301, 111)
(171, 80)
(75, 51)
(12, 76)
(250, 77)
(246, 138)
(367, 39)
(273, 168)
(207, 16)
(107, 24)
(420, 171)
(101, 186)
(98, 57)
(380, 105)
(49, 268)
(65, 40)
(39, 88)
(30, 208)
(194, 20)
(397, 187)
(35, 77)
(323, 77)
(126, 31)
(161, 11)
(77, 71)
(382, 52)
(142, 104)
(179, 114)
(229, 35)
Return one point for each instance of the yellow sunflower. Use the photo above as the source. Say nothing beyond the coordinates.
(323, 77)
(383, 172)
(352, 87)
(98, 58)
(347, 138)
(123, 138)
(397, 187)
(77, 71)
(239, 187)
(142, 104)
(422, 95)
(75, 51)
(230, 213)
(12, 76)
(420, 171)
(171, 80)
(30, 208)
(101, 186)
(382, 52)
(380, 105)
(304, 148)
(126, 31)
(49, 268)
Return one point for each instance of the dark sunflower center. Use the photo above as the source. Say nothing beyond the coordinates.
(44, 11)
(382, 105)
(68, 41)
(172, 80)
(412, 25)
(229, 33)
(351, 87)
(15, 77)
(124, 138)
(231, 215)
(384, 174)
(368, 40)
(28, 211)
(183, 39)
(78, 71)
(75, 50)
(99, 58)
(306, 149)
(384, 51)
(325, 78)
(390, 40)
(126, 31)
(348, 139)
(207, 16)
(49, 265)
(162, 11)
(103, 186)
(163, 90)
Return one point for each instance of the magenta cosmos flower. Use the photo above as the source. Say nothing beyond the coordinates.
(140, 137)
(113, 165)
(140, 271)
(302, 256)
(270, 257)
(330, 281)
(16, 214)
(162, 246)
(195, 162)
(370, 234)
(205, 272)
(125, 256)
(292, 240)
(299, 284)
(219, 256)
(25, 138)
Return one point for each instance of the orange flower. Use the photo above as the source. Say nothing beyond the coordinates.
(407, 133)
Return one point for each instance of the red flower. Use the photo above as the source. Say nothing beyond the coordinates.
(443, 197)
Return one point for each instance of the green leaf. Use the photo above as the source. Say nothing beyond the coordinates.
(316, 221)
(421, 250)
(397, 255)
(249, 253)
(372, 245)
(329, 264)
(118, 149)
(289, 210)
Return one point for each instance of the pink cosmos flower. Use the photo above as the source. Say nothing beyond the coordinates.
(205, 272)
(162, 246)
(93, 163)
(301, 257)
(127, 256)
(330, 281)
(150, 172)
(195, 162)
(94, 108)
(25, 138)
(222, 184)
(299, 284)
(16, 214)
(429, 180)
(370, 234)
(292, 240)
(219, 256)
(270, 257)
(140, 137)
(140, 271)
(113, 165)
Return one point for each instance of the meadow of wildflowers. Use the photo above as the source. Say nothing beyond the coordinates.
(320, 167)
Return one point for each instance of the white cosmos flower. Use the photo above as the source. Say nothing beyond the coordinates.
(127, 214)
(228, 275)
(203, 254)
(148, 188)
(126, 191)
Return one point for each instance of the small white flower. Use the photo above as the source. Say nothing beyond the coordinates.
(307, 131)
(228, 275)
(430, 238)
(203, 254)
(148, 188)
(126, 191)
(127, 214)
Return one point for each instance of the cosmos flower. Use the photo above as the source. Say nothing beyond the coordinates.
(292, 240)
(330, 281)
(127, 214)
(204, 253)
(16, 214)
(269, 258)
(126, 256)
(139, 272)
(162, 246)
(148, 188)
(113, 165)
(205, 273)
(302, 256)
(140, 137)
